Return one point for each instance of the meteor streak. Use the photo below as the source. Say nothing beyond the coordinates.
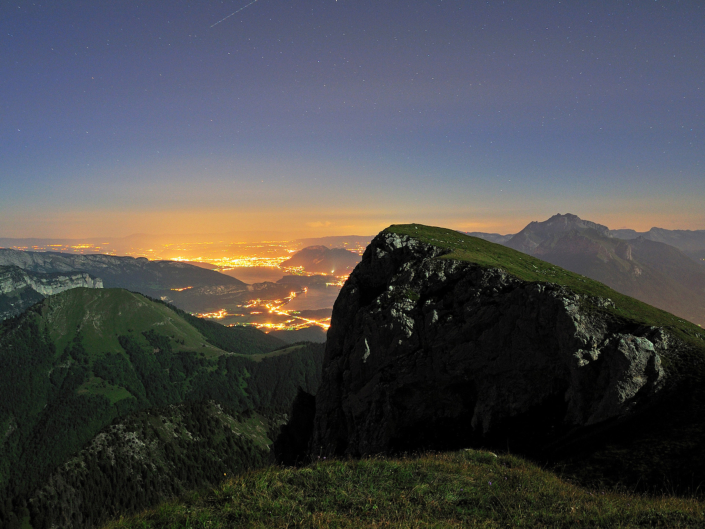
(234, 13)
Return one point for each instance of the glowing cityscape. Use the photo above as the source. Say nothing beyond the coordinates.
(284, 320)
(264, 305)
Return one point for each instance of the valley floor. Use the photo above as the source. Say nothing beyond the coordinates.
(459, 489)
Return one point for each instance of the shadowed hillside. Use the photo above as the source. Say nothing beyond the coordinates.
(80, 359)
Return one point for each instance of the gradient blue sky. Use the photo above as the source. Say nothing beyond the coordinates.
(299, 118)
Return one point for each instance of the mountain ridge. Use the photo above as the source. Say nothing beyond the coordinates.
(652, 271)
(80, 359)
(188, 286)
(321, 259)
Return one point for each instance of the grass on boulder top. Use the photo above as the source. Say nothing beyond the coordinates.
(457, 489)
(523, 266)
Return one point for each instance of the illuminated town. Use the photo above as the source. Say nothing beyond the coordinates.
(275, 315)
(260, 265)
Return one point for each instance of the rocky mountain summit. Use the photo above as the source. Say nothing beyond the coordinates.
(535, 233)
(648, 269)
(20, 289)
(441, 341)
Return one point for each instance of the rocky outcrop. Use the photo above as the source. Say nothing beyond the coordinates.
(13, 278)
(291, 444)
(428, 353)
(20, 289)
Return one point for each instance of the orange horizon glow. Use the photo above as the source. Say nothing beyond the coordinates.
(289, 223)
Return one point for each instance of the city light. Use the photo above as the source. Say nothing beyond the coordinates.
(225, 256)
(218, 315)
(275, 307)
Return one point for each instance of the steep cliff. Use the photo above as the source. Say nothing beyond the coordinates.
(19, 289)
(439, 341)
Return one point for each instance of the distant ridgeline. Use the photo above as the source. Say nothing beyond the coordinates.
(180, 392)
(190, 287)
(664, 268)
(321, 259)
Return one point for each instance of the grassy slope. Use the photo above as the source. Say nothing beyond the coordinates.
(38, 396)
(278, 352)
(527, 268)
(103, 314)
(459, 489)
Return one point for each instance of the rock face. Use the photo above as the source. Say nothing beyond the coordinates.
(13, 278)
(20, 289)
(427, 353)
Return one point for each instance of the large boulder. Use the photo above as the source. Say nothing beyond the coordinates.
(429, 353)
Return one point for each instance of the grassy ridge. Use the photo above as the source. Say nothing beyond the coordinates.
(460, 489)
(104, 314)
(487, 254)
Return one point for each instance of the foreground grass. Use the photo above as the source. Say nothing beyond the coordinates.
(459, 489)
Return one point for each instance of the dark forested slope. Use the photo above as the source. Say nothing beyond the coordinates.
(78, 360)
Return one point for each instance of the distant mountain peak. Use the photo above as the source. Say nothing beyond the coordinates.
(535, 233)
(569, 222)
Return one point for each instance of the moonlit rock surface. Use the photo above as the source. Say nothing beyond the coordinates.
(427, 353)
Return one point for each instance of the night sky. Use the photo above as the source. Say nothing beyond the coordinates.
(299, 118)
